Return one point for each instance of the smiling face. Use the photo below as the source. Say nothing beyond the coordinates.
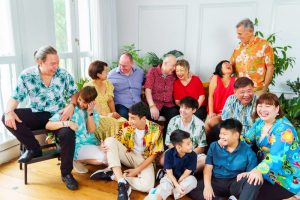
(244, 34)
(136, 122)
(181, 72)
(168, 65)
(226, 68)
(228, 137)
(50, 65)
(267, 112)
(186, 112)
(244, 94)
(125, 64)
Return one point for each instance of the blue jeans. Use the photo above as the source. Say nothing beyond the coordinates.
(122, 110)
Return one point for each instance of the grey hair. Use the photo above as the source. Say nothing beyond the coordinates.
(247, 23)
(42, 52)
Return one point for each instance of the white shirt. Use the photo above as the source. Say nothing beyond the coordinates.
(138, 141)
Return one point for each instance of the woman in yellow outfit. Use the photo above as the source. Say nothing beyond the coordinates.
(110, 120)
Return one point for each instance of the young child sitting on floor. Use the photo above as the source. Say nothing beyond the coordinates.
(179, 163)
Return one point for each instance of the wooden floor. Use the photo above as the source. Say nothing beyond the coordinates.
(44, 182)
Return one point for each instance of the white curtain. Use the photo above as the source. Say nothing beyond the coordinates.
(104, 30)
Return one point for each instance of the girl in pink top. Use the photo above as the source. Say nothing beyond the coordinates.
(220, 88)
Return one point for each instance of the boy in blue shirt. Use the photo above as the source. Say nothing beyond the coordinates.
(226, 167)
(179, 163)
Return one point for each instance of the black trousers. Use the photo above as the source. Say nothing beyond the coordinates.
(227, 187)
(34, 121)
(269, 191)
(201, 113)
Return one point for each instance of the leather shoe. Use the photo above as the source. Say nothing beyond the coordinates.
(29, 154)
(70, 182)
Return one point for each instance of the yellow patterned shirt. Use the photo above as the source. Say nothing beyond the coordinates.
(153, 141)
(102, 98)
(251, 60)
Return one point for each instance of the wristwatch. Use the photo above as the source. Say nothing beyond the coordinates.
(91, 114)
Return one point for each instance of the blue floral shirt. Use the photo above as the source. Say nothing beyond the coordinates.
(42, 98)
(233, 108)
(83, 137)
(279, 153)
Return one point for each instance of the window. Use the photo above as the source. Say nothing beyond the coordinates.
(73, 35)
(8, 62)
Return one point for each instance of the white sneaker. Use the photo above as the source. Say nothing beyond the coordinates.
(79, 167)
(232, 198)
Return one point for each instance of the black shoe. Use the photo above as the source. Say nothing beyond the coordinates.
(70, 182)
(102, 175)
(124, 191)
(160, 173)
(29, 154)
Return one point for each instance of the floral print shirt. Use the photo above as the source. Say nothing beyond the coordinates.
(251, 60)
(279, 153)
(233, 108)
(83, 137)
(195, 129)
(153, 140)
(43, 98)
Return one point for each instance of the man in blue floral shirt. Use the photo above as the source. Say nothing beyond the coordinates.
(241, 104)
(47, 88)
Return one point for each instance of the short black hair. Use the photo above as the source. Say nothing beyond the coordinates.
(189, 102)
(140, 109)
(218, 69)
(232, 125)
(178, 136)
(242, 82)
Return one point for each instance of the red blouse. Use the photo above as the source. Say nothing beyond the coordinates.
(194, 89)
(221, 94)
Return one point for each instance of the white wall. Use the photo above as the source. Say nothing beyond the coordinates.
(205, 29)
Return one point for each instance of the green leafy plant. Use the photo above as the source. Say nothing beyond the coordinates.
(291, 107)
(281, 60)
(146, 61)
(295, 86)
(81, 82)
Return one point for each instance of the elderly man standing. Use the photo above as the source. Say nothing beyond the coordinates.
(127, 81)
(253, 58)
(159, 89)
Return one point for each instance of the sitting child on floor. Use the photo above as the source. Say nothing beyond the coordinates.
(180, 164)
(227, 166)
(84, 122)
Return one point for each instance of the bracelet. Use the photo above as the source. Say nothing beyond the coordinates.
(8, 112)
(66, 123)
(152, 106)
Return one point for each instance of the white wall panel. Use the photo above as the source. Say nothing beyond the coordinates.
(217, 37)
(286, 26)
(162, 28)
(205, 29)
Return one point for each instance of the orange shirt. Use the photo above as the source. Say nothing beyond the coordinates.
(251, 60)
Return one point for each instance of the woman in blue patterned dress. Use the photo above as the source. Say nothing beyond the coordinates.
(279, 152)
